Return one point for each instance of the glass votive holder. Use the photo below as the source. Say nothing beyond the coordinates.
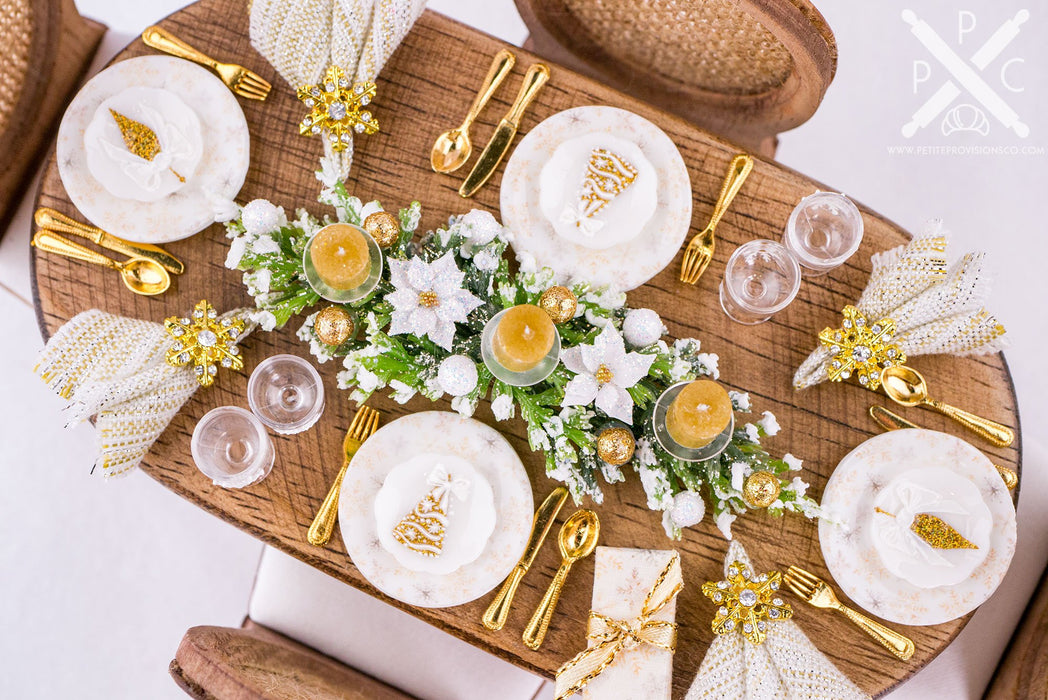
(824, 230)
(231, 447)
(687, 454)
(286, 393)
(532, 375)
(760, 279)
(333, 293)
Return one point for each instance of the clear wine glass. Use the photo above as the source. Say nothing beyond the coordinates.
(760, 279)
(286, 393)
(231, 447)
(824, 230)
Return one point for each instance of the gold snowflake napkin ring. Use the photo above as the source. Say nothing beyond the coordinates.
(205, 341)
(861, 348)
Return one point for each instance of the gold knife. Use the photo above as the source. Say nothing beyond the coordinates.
(51, 219)
(501, 140)
(891, 421)
(495, 616)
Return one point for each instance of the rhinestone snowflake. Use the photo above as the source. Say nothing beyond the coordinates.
(747, 603)
(336, 108)
(861, 348)
(205, 342)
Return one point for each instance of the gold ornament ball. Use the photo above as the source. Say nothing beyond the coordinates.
(383, 227)
(560, 303)
(333, 325)
(615, 445)
(761, 489)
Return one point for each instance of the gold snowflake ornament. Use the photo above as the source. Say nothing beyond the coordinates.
(861, 348)
(205, 342)
(336, 108)
(747, 603)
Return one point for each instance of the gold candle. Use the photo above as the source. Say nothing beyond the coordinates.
(340, 256)
(523, 337)
(698, 414)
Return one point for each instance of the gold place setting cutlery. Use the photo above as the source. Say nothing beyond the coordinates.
(453, 148)
(237, 78)
(818, 593)
(363, 426)
(891, 421)
(145, 271)
(699, 253)
(576, 540)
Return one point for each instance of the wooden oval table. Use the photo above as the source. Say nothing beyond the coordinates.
(425, 89)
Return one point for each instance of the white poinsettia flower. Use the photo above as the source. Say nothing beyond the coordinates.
(428, 299)
(603, 373)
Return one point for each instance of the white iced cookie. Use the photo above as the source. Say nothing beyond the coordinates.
(942, 493)
(598, 190)
(129, 176)
(468, 522)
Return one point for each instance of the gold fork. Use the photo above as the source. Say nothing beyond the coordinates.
(700, 250)
(817, 592)
(363, 426)
(239, 79)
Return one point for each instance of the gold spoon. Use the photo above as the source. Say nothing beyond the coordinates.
(577, 539)
(906, 386)
(452, 148)
(140, 275)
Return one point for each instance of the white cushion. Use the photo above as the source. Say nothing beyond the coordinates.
(371, 636)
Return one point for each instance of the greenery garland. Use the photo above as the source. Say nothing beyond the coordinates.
(269, 248)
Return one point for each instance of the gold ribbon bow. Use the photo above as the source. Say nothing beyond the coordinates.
(612, 636)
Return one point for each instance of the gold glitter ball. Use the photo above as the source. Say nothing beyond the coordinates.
(383, 227)
(615, 445)
(560, 303)
(761, 489)
(333, 325)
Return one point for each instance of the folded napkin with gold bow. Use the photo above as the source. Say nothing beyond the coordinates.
(632, 635)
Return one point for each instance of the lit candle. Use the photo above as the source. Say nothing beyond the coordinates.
(698, 414)
(523, 337)
(340, 256)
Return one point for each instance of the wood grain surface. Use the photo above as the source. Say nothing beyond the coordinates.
(425, 89)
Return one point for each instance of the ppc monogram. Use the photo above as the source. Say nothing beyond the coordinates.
(965, 77)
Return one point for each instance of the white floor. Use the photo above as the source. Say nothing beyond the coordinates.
(99, 581)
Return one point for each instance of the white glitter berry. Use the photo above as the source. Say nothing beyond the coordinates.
(457, 375)
(261, 216)
(688, 509)
(642, 327)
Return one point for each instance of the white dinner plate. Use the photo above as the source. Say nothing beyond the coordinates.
(845, 530)
(623, 266)
(217, 178)
(444, 433)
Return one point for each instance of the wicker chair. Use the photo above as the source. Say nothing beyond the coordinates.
(308, 635)
(743, 69)
(47, 48)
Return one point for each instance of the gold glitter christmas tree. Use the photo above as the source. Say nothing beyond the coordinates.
(140, 139)
(423, 529)
(607, 176)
